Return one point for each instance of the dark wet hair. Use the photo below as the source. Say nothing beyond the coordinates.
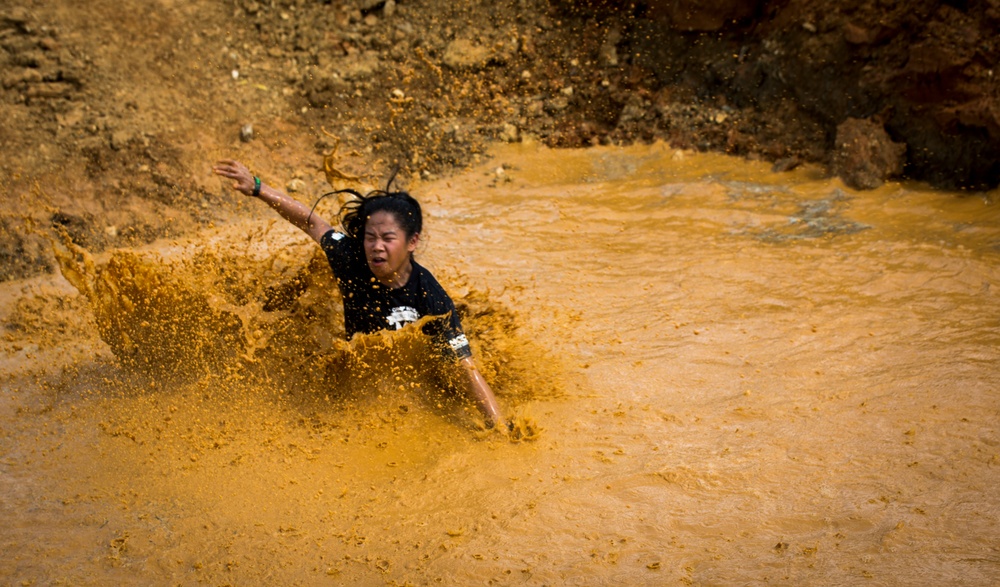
(354, 214)
(404, 208)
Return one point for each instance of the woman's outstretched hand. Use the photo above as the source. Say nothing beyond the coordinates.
(291, 210)
(243, 179)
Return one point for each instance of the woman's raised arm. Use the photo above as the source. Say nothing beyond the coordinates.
(291, 210)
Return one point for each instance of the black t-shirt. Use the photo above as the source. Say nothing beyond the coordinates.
(370, 306)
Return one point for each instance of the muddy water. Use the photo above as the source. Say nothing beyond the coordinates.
(740, 378)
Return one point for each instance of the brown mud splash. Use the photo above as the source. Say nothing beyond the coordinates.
(781, 380)
(262, 312)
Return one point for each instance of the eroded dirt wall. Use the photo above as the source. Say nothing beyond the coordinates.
(113, 116)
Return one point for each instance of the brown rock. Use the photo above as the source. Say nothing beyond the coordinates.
(857, 35)
(464, 54)
(864, 155)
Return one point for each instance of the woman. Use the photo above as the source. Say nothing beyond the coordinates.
(383, 287)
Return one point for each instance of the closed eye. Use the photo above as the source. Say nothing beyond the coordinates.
(388, 236)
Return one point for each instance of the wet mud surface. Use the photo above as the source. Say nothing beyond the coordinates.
(721, 380)
(723, 369)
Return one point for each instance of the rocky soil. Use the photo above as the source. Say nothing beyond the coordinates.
(113, 111)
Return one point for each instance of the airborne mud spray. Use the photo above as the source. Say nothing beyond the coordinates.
(744, 378)
(257, 313)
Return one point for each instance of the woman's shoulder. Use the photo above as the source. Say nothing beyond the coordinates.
(342, 252)
(428, 285)
(337, 243)
(332, 236)
(423, 274)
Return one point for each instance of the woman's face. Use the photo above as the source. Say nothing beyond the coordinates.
(387, 249)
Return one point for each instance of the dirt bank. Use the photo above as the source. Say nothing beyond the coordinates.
(112, 112)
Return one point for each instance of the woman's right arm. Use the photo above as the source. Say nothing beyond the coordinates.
(291, 210)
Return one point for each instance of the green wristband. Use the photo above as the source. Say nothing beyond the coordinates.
(256, 186)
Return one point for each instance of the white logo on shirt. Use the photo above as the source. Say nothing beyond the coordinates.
(401, 316)
(458, 342)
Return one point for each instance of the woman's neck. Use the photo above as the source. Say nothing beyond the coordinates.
(399, 279)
